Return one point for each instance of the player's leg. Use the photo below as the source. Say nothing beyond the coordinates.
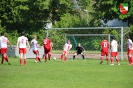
(130, 57)
(107, 57)
(62, 55)
(83, 56)
(74, 55)
(112, 58)
(24, 54)
(117, 60)
(65, 57)
(102, 57)
(20, 55)
(2, 53)
(38, 56)
(49, 55)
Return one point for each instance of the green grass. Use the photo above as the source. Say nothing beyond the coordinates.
(70, 74)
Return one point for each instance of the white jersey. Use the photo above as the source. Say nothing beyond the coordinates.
(129, 44)
(34, 44)
(67, 47)
(3, 42)
(114, 46)
(22, 41)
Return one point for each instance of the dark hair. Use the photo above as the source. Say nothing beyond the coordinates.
(104, 37)
(127, 37)
(112, 37)
(2, 33)
(23, 33)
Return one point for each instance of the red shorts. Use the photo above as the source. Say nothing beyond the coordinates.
(0, 51)
(64, 52)
(47, 50)
(129, 52)
(22, 50)
(113, 54)
(104, 53)
(35, 51)
(3, 50)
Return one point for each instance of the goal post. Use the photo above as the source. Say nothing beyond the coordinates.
(71, 31)
(90, 38)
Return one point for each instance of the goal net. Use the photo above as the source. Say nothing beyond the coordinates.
(89, 37)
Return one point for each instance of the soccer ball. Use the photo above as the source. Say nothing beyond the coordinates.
(54, 58)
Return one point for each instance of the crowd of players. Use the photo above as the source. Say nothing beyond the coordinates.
(22, 43)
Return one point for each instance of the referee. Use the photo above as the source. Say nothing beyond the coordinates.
(79, 50)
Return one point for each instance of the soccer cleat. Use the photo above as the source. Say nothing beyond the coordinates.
(111, 64)
(101, 62)
(118, 63)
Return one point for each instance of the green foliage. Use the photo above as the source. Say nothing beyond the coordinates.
(107, 10)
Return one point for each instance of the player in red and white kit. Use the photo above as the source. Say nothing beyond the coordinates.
(21, 44)
(34, 45)
(129, 50)
(3, 46)
(66, 50)
(47, 45)
(114, 51)
(104, 50)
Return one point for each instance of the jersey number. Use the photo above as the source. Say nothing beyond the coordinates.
(105, 44)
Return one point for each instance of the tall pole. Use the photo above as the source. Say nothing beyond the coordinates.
(121, 43)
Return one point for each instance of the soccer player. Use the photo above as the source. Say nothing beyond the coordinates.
(104, 50)
(79, 50)
(47, 45)
(21, 44)
(114, 51)
(3, 45)
(66, 49)
(34, 45)
(129, 50)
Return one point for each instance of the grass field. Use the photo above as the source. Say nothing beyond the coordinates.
(70, 74)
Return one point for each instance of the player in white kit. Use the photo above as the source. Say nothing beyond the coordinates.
(21, 44)
(3, 48)
(34, 45)
(66, 49)
(129, 50)
(114, 51)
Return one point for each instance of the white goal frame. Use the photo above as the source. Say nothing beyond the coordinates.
(94, 28)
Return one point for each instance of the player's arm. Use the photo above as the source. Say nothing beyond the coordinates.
(28, 44)
(51, 44)
(9, 44)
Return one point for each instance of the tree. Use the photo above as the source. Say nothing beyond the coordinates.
(105, 10)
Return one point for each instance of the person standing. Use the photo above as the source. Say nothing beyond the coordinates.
(129, 50)
(79, 50)
(34, 45)
(21, 44)
(3, 45)
(66, 49)
(104, 50)
(47, 45)
(114, 51)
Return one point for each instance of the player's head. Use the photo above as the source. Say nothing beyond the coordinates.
(35, 37)
(23, 34)
(68, 41)
(79, 44)
(112, 37)
(127, 37)
(104, 38)
(2, 33)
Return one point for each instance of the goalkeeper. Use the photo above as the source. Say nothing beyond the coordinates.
(79, 50)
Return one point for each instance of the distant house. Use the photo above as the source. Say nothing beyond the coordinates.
(115, 23)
